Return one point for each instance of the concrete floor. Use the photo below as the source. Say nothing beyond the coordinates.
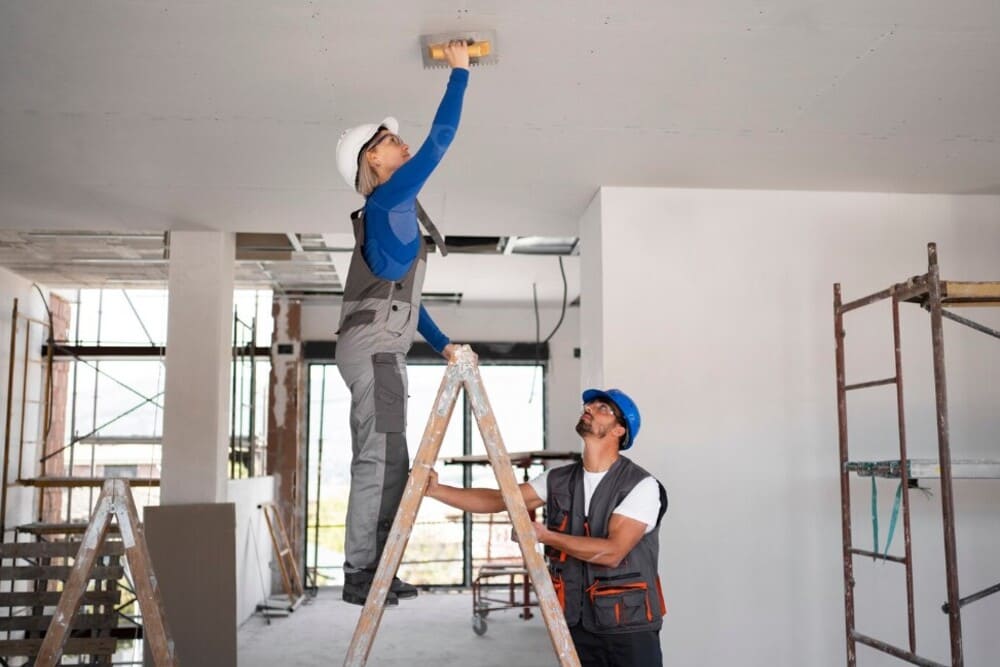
(434, 629)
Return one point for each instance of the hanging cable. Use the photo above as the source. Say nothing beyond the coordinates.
(538, 326)
(538, 342)
(562, 315)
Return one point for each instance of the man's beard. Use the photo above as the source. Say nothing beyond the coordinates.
(583, 427)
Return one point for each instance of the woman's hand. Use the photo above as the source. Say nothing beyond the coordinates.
(451, 350)
(456, 52)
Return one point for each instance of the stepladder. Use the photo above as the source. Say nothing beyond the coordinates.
(462, 373)
(115, 502)
(291, 580)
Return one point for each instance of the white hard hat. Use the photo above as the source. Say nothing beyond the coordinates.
(350, 145)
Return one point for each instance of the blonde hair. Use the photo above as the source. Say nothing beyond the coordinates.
(367, 177)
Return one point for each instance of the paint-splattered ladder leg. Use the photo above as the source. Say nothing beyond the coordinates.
(402, 526)
(562, 642)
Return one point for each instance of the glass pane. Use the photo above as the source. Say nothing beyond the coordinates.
(329, 473)
(516, 396)
(122, 317)
(434, 553)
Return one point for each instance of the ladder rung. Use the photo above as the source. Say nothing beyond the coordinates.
(74, 482)
(872, 554)
(873, 383)
(972, 598)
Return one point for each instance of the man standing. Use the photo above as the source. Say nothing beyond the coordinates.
(600, 534)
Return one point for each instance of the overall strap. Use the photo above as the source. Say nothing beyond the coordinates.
(425, 220)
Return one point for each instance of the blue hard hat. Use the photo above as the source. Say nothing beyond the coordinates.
(628, 408)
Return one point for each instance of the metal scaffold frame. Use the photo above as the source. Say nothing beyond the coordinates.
(933, 294)
(36, 360)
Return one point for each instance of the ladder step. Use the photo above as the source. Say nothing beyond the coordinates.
(80, 622)
(70, 528)
(55, 549)
(873, 383)
(55, 482)
(57, 573)
(30, 647)
(51, 598)
(872, 554)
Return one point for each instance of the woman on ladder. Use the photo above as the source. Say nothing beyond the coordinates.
(380, 315)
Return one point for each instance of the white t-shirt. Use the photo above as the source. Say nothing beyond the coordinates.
(642, 503)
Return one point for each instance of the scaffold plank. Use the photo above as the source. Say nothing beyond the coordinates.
(927, 469)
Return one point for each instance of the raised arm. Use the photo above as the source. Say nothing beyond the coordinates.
(406, 182)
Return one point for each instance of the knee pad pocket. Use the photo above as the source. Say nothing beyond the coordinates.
(390, 394)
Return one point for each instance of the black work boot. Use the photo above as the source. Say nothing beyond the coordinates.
(402, 590)
(357, 585)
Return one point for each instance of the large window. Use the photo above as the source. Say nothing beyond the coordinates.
(435, 554)
(114, 402)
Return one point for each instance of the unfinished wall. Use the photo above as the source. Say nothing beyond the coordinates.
(715, 309)
(286, 427)
(20, 499)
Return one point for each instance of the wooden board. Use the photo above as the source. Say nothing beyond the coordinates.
(55, 549)
(193, 548)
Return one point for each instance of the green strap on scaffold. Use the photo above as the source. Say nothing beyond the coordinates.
(874, 517)
(892, 519)
(895, 515)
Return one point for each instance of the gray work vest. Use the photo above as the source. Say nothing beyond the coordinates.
(378, 314)
(604, 600)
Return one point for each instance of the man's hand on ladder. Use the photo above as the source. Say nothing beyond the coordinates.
(540, 531)
(432, 483)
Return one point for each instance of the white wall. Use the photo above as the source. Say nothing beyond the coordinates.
(254, 552)
(499, 323)
(20, 499)
(717, 316)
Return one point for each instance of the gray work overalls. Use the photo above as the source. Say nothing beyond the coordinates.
(377, 324)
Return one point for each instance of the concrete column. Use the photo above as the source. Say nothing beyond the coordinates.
(199, 354)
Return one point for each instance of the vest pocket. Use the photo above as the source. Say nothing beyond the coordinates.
(558, 522)
(659, 591)
(357, 318)
(398, 318)
(620, 605)
(560, 586)
(389, 394)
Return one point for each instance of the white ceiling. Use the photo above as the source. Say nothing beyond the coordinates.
(224, 115)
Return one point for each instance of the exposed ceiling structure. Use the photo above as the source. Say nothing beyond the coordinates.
(157, 116)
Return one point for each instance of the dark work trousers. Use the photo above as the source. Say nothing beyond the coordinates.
(380, 463)
(633, 649)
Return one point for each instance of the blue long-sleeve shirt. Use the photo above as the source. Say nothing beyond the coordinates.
(392, 235)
